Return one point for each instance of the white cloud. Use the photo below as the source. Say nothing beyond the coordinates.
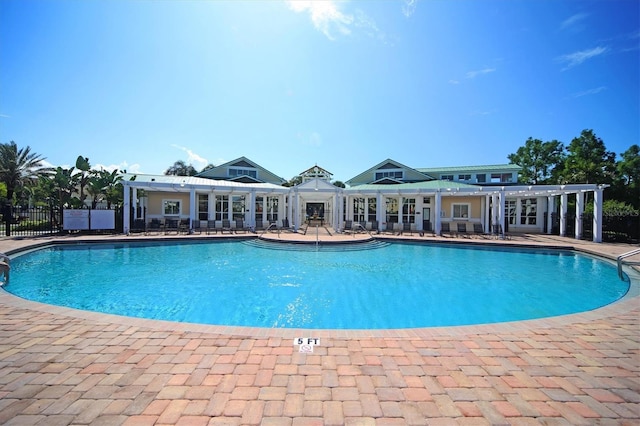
(328, 17)
(577, 58)
(588, 92)
(193, 158)
(573, 21)
(409, 7)
(474, 74)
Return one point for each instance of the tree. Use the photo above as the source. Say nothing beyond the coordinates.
(82, 164)
(539, 160)
(628, 186)
(207, 167)
(588, 161)
(180, 168)
(339, 184)
(102, 185)
(18, 167)
(296, 180)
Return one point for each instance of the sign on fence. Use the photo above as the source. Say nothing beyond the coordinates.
(83, 219)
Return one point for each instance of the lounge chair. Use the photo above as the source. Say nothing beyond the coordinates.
(427, 228)
(389, 228)
(374, 227)
(498, 233)
(478, 230)
(348, 227)
(155, 225)
(138, 225)
(259, 226)
(198, 226)
(285, 225)
(462, 230)
(445, 229)
(211, 227)
(225, 226)
(184, 226)
(171, 225)
(406, 227)
(240, 226)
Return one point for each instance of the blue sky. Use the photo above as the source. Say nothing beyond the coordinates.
(138, 85)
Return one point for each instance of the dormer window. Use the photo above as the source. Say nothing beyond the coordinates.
(464, 177)
(446, 177)
(393, 174)
(237, 171)
(501, 177)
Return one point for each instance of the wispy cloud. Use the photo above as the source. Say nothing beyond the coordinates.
(192, 156)
(587, 92)
(576, 58)
(409, 7)
(4, 116)
(573, 22)
(474, 74)
(328, 18)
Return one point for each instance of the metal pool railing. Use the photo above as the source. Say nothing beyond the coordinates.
(621, 260)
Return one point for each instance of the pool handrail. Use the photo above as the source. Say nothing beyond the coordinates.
(620, 260)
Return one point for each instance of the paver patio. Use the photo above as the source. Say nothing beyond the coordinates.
(60, 366)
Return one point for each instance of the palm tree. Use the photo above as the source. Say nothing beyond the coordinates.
(18, 167)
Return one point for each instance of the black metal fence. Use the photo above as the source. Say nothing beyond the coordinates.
(615, 229)
(42, 221)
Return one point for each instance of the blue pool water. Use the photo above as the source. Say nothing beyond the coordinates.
(396, 285)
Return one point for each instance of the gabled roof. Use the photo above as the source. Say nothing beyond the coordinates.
(222, 172)
(367, 177)
(317, 185)
(316, 170)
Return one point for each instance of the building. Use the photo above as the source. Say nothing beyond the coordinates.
(388, 195)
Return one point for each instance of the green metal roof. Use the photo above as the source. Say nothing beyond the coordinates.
(427, 185)
(487, 168)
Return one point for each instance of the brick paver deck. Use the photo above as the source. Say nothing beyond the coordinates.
(64, 367)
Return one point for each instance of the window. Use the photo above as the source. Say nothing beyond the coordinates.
(203, 206)
(460, 211)
(481, 178)
(426, 200)
(234, 172)
(358, 209)
(528, 211)
(259, 209)
(272, 209)
(237, 206)
(397, 174)
(510, 211)
(408, 210)
(446, 177)
(392, 210)
(464, 177)
(222, 207)
(501, 177)
(171, 207)
(372, 207)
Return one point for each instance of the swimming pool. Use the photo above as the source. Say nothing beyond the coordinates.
(388, 285)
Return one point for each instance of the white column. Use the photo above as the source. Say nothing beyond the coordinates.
(340, 208)
(252, 209)
(487, 214)
(551, 207)
(563, 215)
(290, 208)
(212, 205)
(436, 214)
(579, 211)
(193, 207)
(501, 215)
(597, 215)
(134, 197)
(495, 206)
(298, 215)
(380, 206)
(400, 210)
(126, 219)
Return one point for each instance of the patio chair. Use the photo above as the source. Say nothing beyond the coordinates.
(389, 228)
(137, 226)
(211, 227)
(171, 225)
(462, 230)
(199, 225)
(348, 227)
(375, 227)
(184, 226)
(240, 226)
(478, 230)
(406, 227)
(154, 225)
(285, 225)
(225, 226)
(445, 229)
